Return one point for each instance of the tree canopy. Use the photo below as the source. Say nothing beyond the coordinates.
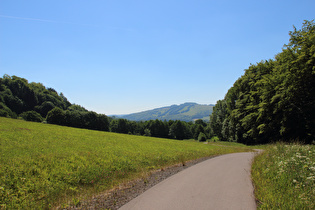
(35, 102)
(275, 99)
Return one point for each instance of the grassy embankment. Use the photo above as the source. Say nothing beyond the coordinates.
(284, 177)
(44, 165)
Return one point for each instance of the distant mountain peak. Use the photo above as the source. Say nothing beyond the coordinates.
(188, 111)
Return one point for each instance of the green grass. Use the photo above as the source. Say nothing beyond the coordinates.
(44, 166)
(284, 177)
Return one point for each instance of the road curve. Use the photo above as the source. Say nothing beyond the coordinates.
(222, 182)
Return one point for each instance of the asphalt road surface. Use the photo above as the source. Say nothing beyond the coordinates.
(219, 183)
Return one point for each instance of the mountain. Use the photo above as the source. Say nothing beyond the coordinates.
(185, 112)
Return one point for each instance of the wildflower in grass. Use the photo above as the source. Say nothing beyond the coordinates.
(291, 176)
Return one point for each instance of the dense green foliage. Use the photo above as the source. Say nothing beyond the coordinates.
(185, 112)
(35, 102)
(32, 116)
(284, 177)
(163, 129)
(43, 165)
(274, 99)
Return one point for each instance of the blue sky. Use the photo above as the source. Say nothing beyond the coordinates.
(120, 57)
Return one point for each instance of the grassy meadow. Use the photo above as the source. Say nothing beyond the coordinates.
(45, 166)
(284, 177)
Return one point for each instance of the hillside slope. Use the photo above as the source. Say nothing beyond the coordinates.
(44, 166)
(185, 112)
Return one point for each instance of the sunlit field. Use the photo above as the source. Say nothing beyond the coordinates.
(45, 166)
(284, 177)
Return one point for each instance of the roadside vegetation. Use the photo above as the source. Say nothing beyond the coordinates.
(284, 177)
(44, 166)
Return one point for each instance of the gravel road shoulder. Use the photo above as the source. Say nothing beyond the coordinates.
(118, 197)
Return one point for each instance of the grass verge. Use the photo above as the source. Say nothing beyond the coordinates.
(45, 166)
(284, 177)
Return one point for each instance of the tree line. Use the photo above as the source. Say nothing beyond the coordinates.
(174, 129)
(35, 102)
(275, 99)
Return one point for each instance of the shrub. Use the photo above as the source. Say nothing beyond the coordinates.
(202, 137)
(56, 116)
(4, 113)
(214, 139)
(32, 116)
(147, 132)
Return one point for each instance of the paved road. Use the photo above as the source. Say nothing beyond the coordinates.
(222, 182)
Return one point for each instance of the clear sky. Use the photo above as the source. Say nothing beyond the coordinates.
(126, 56)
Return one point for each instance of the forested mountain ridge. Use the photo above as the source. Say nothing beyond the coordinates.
(275, 99)
(185, 112)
